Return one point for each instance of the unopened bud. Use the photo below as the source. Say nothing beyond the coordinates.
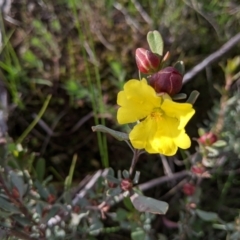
(147, 61)
(208, 139)
(126, 184)
(198, 170)
(168, 80)
(189, 189)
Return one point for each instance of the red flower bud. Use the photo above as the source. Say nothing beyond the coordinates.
(147, 61)
(208, 139)
(189, 189)
(168, 80)
(126, 184)
(198, 170)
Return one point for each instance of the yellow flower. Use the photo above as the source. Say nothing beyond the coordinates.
(161, 122)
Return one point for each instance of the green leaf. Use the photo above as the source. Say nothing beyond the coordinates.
(121, 214)
(193, 97)
(68, 180)
(138, 234)
(179, 96)
(43, 192)
(201, 132)
(96, 227)
(219, 143)
(4, 214)
(226, 227)
(147, 204)
(110, 172)
(161, 237)
(18, 183)
(114, 191)
(4, 204)
(112, 179)
(128, 204)
(136, 177)
(180, 67)
(212, 152)
(125, 174)
(42, 81)
(207, 216)
(22, 220)
(155, 42)
(116, 134)
(40, 169)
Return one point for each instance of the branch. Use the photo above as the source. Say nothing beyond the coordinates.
(151, 184)
(212, 58)
(161, 180)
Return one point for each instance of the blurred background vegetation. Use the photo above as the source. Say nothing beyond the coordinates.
(64, 61)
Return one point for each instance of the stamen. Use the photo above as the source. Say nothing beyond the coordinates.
(157, 114)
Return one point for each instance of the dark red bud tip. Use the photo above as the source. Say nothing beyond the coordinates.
(168, 80)
(147, 61)
(189, 189)
(208, 139)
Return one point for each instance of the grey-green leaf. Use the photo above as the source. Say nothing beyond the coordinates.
(155, 42)
(207, 216)
(179, 96)
(43, 192)
(180, 67)
(125, 174)
(112, 179)
(40, 169)
(212, 152)
(138, 234)
(220, 143)
(114, 191)
(4, 204)
(147, 204)
(136, 177)
(118, 135)
(193, 97)
(18, 182)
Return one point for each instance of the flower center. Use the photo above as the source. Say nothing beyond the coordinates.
(157, 114)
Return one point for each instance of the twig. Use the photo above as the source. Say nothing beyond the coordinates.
(212, 58)
(151, 184)
(143, 13)
(174, 189)
(81, 122)
(136, 155)
(158, 181)
(129, 20)
(89, 185)
(63, 214)
(166, 167)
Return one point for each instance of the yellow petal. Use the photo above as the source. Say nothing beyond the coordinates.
(182, 140)
(136, 101)
(164, 145)
(167, 131)
(182, 111)
(159, 136)
(143, 133)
